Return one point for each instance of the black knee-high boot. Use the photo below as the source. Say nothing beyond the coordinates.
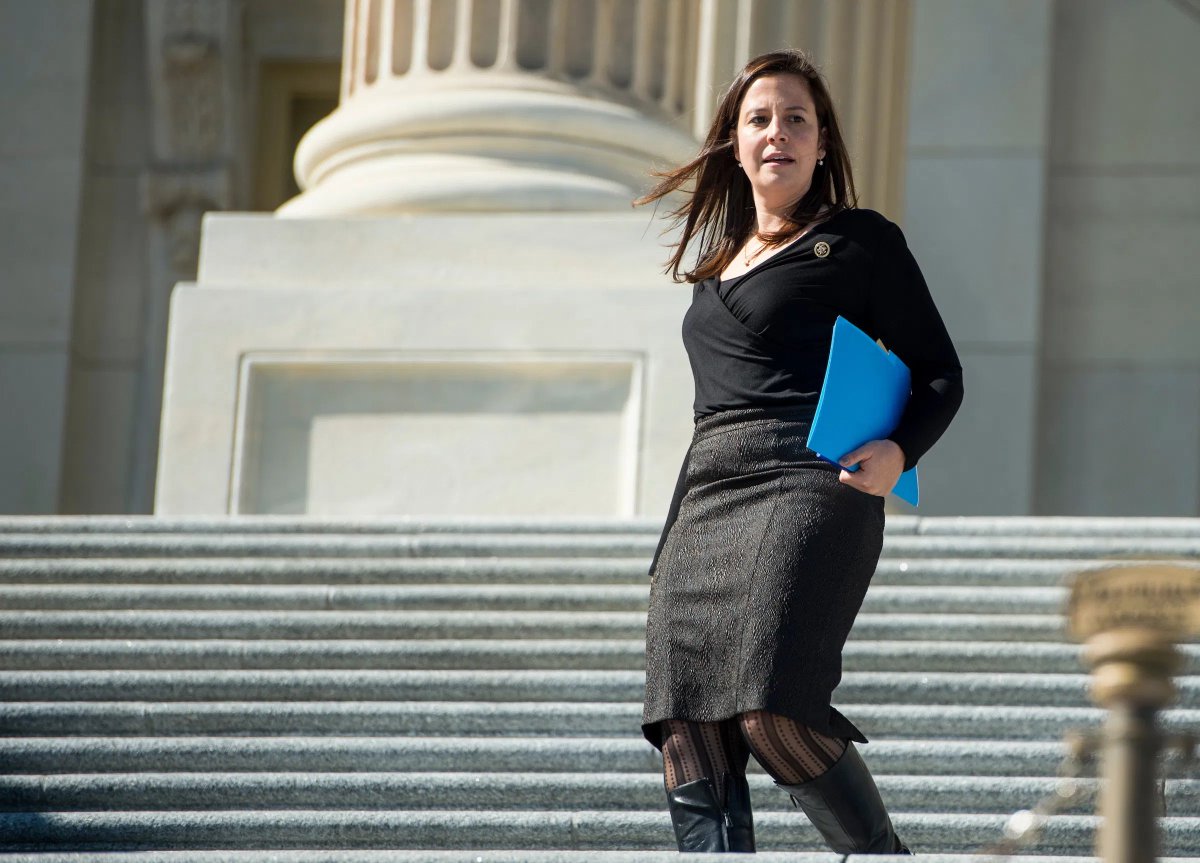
(701, 824)
(844, 805)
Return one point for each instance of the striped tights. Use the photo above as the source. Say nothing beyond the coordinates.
(790, 753)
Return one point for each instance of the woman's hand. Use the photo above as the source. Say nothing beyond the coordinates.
(880, 463)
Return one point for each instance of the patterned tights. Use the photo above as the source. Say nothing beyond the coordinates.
(789, 752)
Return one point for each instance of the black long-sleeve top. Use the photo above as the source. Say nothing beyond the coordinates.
(763, 338)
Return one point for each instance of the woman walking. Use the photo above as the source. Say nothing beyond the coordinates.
(768, 550)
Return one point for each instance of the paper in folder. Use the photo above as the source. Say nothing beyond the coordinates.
(864, 394)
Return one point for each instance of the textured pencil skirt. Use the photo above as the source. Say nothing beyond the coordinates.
(760, 571)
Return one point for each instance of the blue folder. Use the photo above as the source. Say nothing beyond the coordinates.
(862, 398)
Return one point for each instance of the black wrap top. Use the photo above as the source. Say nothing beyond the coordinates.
(762, 338)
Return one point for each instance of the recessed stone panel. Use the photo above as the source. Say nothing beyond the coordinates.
(366, 433)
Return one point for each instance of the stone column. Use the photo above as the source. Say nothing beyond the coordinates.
(502, 105)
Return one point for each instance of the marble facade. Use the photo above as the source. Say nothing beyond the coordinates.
(1037, 152)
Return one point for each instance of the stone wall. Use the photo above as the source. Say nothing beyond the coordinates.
(44, 66)
(1119, 401)
(974, 202)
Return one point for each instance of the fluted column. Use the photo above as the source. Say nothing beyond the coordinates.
(502, 105)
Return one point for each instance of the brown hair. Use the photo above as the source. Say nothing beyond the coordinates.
(720, 206)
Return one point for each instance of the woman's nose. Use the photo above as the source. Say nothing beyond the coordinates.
(775, 132)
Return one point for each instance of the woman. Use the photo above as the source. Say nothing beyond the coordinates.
(768, 550)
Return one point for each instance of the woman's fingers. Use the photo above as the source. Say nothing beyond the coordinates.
(852, 458)
(852, 479)
(874, 475)
(855, 479)
(861, 479)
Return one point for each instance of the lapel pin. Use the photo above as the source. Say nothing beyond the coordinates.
(821, 249)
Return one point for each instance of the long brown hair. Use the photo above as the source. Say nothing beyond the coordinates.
(719, 211)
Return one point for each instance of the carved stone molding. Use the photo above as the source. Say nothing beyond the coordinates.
(193, 53)
(177, 199)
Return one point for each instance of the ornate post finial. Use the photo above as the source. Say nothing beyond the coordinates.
(1130, 618)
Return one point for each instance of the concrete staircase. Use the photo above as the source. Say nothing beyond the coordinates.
(295, 690)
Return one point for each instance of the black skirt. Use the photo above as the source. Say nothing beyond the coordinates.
(761, 569)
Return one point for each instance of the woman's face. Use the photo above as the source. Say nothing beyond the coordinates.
(777, 139)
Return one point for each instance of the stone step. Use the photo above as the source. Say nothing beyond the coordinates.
(973, 572)
(509, 597)
(927, 832)
(554, 545)
(505, 791)
(517, 856)
(328, 571)
(591, 855)
(1080, 526)
(625, 654)
(1043, 525)
(362, 615)
(856, 687)
(517, 719)
(1102, 550)
(118, 525)
(476, 624)
(481, 654)
(305, 545)
(551, 754)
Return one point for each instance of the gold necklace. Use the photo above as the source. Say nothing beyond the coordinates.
(747, 257)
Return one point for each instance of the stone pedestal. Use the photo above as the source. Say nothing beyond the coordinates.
(460, 352)
(427, 364)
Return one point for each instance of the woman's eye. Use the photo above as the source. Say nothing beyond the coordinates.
(796, 118)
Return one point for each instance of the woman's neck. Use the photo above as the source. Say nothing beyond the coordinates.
(770, 218)
(770, 221)
(773, 214)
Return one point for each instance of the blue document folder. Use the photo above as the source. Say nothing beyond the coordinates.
(864, 394)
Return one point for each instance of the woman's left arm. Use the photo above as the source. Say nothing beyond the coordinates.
(903, 315)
